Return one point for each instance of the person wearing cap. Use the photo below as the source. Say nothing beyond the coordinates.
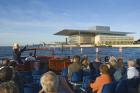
(17, 52)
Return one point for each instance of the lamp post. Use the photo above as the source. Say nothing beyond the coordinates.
(120, 52)
(97, 52)
(79, 38)
(70, 51)
(81, 50)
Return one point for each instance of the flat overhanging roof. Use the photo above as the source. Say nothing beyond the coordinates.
(69, 32)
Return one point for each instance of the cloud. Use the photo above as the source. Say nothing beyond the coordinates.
(33, 21)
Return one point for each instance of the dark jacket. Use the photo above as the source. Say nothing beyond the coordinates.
(96, 66)
(17, 54)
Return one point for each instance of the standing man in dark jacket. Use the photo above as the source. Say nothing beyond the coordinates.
(17, 52)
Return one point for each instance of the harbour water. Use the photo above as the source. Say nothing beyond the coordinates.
(127, 53)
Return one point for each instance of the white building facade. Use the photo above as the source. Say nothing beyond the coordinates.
(113, 40)
(98, 35)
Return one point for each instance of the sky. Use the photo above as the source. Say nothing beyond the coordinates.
(35, 21)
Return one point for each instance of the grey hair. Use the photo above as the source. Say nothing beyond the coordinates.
(49, 86)
(131, 62)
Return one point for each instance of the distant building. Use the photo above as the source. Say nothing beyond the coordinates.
(98, 35)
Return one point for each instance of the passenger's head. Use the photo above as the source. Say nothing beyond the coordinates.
(85, 61)
(49, 82)
(106, 59)
(76, 59)
(85, 57)
(97, 59)
(16, 46)
(6, 74)
(112, 62)
(8, 87)
(120, 62)
(5, 61)
(104, 69)
(138, 62)
(131, 63)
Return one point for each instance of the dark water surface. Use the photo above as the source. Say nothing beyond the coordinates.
(127, 53)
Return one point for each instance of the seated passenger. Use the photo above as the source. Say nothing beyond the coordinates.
(120, 70)
(8, 66)
(132, 72)
(85, 63)
(52, 83)
(106, 60)
(30, 57)
(104, 78)
(112, 66)
(96, 64)
(74, 67)
(8, 87)
(6, 74)
(5, 62)
(113, 62)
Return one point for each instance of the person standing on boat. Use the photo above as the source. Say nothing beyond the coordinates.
(17, 52)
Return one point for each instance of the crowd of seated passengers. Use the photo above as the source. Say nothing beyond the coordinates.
(105, 76)
(50, 82)
(115, 69)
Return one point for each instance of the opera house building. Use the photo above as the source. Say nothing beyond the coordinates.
(98, 35)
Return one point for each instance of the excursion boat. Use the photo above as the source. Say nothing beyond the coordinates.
(44, 62)
(29, 73)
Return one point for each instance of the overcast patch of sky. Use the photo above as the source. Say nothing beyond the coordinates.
(42, 18)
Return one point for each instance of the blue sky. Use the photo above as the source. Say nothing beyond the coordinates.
(34, 21)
